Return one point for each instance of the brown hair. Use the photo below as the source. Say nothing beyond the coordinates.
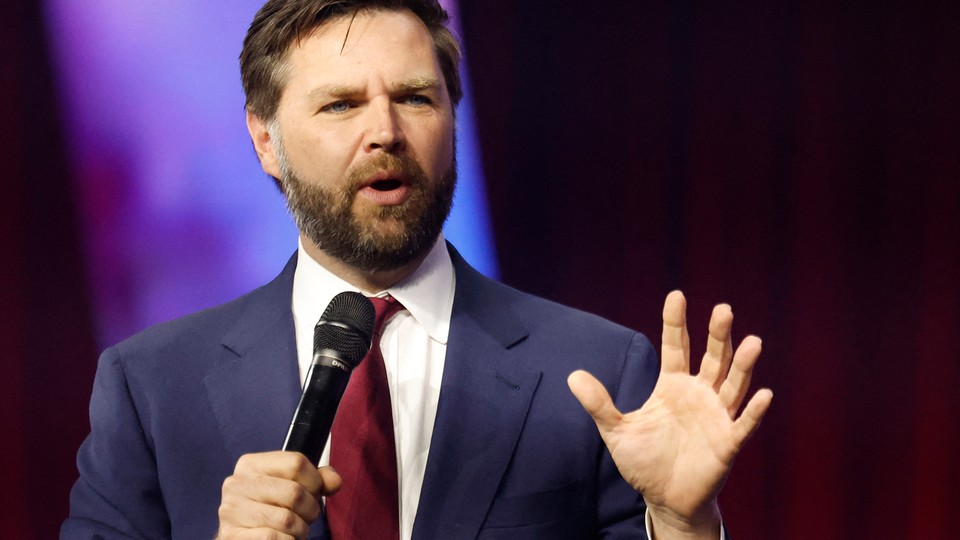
(280, 22)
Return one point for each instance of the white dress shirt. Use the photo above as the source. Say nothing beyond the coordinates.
(414, 345)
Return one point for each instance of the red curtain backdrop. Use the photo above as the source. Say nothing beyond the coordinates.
(46, 344)
(800, 160)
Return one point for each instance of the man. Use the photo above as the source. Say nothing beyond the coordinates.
(350, 106)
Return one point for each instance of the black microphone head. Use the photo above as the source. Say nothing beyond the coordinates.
(346, 327)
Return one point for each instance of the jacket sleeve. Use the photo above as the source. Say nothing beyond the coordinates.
(118, 492)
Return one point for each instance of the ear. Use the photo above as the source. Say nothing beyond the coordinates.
(263, 144)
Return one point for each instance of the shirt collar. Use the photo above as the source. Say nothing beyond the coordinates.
(427, 293)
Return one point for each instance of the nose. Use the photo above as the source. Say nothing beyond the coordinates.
(384, 132)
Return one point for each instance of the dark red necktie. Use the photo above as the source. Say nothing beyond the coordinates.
(363, 451)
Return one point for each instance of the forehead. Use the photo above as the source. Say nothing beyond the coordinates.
(381, 45)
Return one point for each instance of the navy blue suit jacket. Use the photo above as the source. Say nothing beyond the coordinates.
(513, 454)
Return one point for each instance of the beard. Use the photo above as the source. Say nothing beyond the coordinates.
(371, 238)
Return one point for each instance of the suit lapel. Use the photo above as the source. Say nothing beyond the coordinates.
(484, 399)
(254, 383)
(485, 395)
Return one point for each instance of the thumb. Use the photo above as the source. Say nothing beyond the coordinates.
(331, 480)
(595, 399)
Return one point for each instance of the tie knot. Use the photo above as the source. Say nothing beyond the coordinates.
(385, 308)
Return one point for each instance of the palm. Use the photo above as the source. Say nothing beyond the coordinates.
(678, 448)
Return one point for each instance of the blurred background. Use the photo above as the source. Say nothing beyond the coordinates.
(799, 160)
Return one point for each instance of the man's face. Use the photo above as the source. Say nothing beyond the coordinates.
(363, 140)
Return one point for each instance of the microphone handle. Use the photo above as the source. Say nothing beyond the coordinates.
(310, 427)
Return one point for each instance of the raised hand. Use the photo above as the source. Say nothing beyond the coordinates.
(678, 448)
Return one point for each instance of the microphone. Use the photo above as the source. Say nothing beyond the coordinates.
(340, 341)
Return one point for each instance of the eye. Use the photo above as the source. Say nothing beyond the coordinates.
(337, 107)
(417, 100)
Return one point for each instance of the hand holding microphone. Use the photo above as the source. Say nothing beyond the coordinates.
(280, 491)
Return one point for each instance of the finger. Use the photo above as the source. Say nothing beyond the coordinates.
(735, 387)
(277, 464)
(278, 520)
(287, 465)
(253, 534)
(254, 501)
(753, 413)
(284, 480)
(675, 343)
(595, 400)
(716, 361)
(257, 534)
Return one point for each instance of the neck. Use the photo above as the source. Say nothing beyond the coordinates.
(370, 282)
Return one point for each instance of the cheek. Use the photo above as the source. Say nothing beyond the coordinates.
(441, 153)
(320, 158)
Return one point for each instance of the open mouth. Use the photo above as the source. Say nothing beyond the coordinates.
(387, 188)
(388, 184)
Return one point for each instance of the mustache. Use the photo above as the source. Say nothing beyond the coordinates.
(404, 167)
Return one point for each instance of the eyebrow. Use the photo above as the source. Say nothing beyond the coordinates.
(417, 84)
(339, 91)
(333, 91)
